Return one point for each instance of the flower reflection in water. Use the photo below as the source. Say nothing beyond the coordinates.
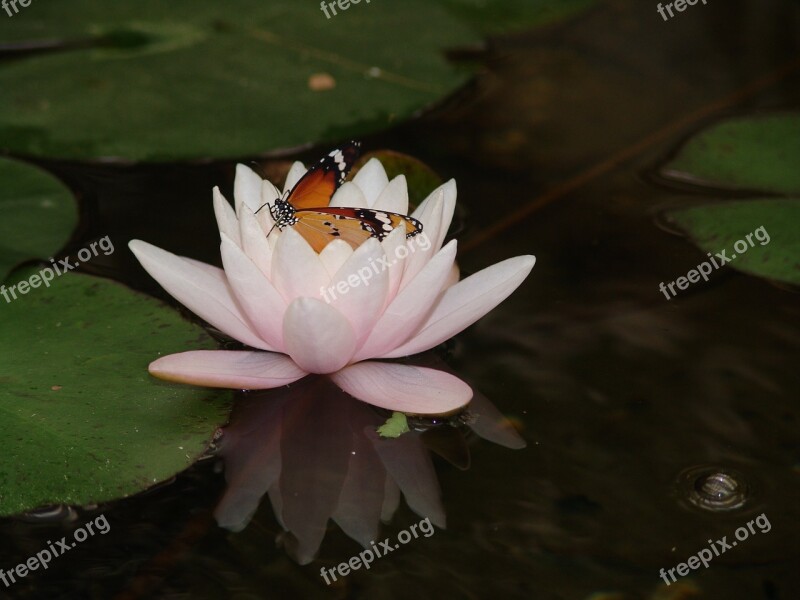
(315, 451)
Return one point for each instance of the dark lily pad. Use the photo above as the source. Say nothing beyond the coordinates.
(772, 225)
(759, 153)
(38, 214)
(188, 79)
(83, 421)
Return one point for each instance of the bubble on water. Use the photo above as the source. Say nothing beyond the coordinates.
(714, 488)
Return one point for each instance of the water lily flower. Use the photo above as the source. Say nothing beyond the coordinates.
(331, 312)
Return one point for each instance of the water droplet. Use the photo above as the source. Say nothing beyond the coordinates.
(714, 488)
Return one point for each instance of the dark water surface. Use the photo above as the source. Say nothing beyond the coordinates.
(617, 391)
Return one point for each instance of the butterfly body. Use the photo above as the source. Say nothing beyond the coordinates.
(307, 207)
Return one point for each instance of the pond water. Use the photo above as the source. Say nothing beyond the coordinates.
(642, 416)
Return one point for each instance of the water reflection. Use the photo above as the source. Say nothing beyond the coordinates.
(315, 452)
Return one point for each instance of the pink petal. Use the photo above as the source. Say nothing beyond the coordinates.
(404, 388)
(364, 289)
(371, 178)
(466, 302)
(394, 197)
(396, 259)
(201, 288)
(261, 302)
(409, 309)
(246, 189)
(349, 195)
(293, 176)
(227, 222)
(254, 243)
(334, 255)
(426, 241)
(317, 336)
(235, 369)
(296, 269)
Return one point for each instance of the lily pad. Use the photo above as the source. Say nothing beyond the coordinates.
(498, 16)
(773, 250)
(188, 79)
(759, 153)
(39, 214)
(82, 420)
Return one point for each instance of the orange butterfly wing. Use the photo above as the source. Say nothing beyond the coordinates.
(317, 186)
(353, 225)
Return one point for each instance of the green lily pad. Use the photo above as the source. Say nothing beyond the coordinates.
(39, 214)
(498, 16)
(421, 179)
(773, 251)
(188, 79)
(760, 153)
(82, 420)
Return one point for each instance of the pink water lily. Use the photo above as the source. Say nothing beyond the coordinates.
(331, 312)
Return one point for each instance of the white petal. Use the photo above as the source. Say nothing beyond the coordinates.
(202, 289)
(404, 388)
(466, 302)
(227, 222)
(406, 313)
(425, 242)
(397, 260)
(317, 337)
(235, 369)
(293, 176)
(246, 189)
(296, 269)
(349, 195)
(261, 302)
(334, 255)
(394, 197)
(269, 193)
(359, 291)
(449, 192)
(254, 242)
(371, 178)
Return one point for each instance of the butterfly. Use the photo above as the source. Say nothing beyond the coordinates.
(306, 206)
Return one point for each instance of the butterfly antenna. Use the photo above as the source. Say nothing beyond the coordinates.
(262, 206)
